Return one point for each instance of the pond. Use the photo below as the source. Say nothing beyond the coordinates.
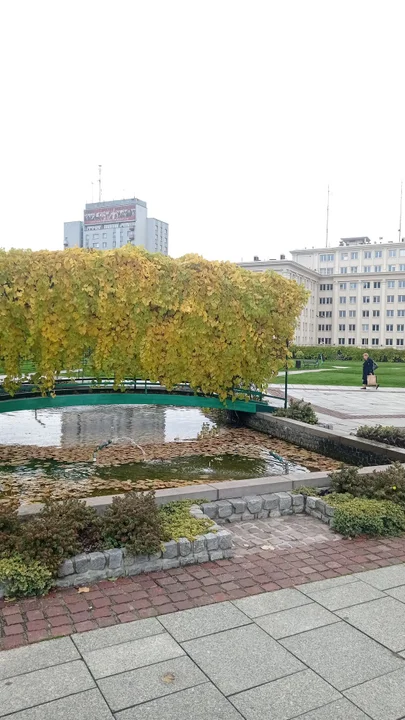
(84, 451)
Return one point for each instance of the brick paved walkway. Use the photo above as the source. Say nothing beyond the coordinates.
(288, 531)
(109, 603)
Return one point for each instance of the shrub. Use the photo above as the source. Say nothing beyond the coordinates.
(177, 521)
(332, 352)
(383, 433)
(385, 485)
(299, 410)
(307, 491)
(134, 522)
(358, 516)
(22, 578)
(9, 525)
(61, 530)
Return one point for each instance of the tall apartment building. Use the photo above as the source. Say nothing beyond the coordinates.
(357, 292)
(109, 225)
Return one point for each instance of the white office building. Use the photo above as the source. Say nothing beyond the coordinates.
(110, 225)
(357, 292)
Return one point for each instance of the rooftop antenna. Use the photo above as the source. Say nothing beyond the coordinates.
(400, 215)
(327, 221)
(99, 183)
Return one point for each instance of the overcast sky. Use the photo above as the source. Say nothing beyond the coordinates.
(229, 118)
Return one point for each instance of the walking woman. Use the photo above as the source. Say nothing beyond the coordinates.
(369, 368)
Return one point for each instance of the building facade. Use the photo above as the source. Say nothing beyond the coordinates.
(110, 225)
(357, 293)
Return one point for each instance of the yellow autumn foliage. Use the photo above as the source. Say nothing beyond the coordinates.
(133, 314)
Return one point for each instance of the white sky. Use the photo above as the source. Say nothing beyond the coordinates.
(228, 117)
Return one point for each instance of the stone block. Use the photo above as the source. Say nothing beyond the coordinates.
(201, 557)
(211, 510)
(170, 550)
(114, 558)
(239, 505)
(185, 547)
(216, 555)
(81, 563)
(297, 500)
(97, 561)
(224, 539)
(311, 503)
(254, 503)
(187, 560)
(247, 515)
(271, 501)
(234, 518)
(115, 572)
(263, 514)
(274, 513)
(329, 510)
(212, 541)
(285, 501)
(170, 563)
(316, 514)
(320, 506)
(224, 508)
(66, 568)
(199, 545)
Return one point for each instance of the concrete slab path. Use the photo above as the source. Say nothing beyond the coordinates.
(327, 650)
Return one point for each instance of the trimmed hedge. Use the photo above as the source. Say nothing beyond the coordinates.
(299, 410)
(333, 352)
(387, 434)
(385, 485)
(360, 516)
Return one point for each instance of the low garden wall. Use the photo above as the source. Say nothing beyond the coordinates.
(347, 448)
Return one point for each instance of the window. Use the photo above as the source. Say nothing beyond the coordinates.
(351, 341)
(343, 270)
(352, 299)
(353, 269)
(364, 341)
(352, 313)
(342, 328)
(366, 285)
(366, 313)
(87, 237)
(114, 244)
(352, 328)
(344, 256)
(96, 245)
(400, 341)
(400, 328)
(328, 286)
(325, 301)
(401, 283)
(364, 328)
(392, 268)
(329, 271)
(353, 286)
(342, 286)
(324, 341)
(367, 268)
(377, 268)
(388, 341)
(401, 298)
(392, 253)
(354, 255)
(374, 341)
(366, 298)
(104, 235)
(390, 313)
(95, 236)
(342, 300)
(376, 313)
(375, 328)
(342, 313)
(324, 327)
(376, 298)
(327, 258)
(377, 284)
(391, 283)
(402, 268)
(104, 244)
(378, 253)
(401, 313)
(389, 328)
(367, 254)
(402, 253)
(325, 313)
(341, 341)
(390, 298)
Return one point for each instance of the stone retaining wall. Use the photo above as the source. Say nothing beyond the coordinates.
(254, 507)
(347, 448)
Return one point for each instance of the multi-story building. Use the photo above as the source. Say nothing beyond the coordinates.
(109, 225)
(359, 293)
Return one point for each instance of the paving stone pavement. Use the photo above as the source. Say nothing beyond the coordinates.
(287, 531)
(333, 649)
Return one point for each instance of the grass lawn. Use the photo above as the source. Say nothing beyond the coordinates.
(349, 372)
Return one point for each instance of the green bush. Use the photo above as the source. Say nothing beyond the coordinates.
(383, 433)
(134, 522)
(307, 491)
(9, 525)
(384, 485)
(177, 521)
(21, 578)
(358, 516)
(332, 352)
(299, 410)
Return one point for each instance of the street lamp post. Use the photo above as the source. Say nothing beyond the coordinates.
(286, 378)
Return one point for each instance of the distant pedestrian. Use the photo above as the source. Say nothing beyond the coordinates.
(369, 368)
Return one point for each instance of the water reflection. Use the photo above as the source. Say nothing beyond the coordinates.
(84, 425)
